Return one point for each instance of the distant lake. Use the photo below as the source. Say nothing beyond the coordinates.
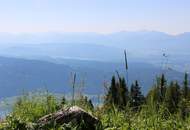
(4, 112)
(6, 106)
(7, 103)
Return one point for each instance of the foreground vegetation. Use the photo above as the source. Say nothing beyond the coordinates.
(166, 106)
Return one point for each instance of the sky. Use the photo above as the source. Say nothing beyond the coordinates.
(102, 16)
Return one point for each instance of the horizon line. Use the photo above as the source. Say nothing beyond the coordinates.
(95, 32)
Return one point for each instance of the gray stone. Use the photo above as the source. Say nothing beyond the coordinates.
(74, 115)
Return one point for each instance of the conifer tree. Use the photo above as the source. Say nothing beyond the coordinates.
(118, 93)
(177, 94)
(156, 95)
(111, 97)
(136, 96)
(186, 91)
(172, 97)
(123, 93)
(184, 104)
(162, 85)
(184, 110)
(90, 104)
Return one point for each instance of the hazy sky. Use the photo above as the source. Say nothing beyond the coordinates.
(171, 16)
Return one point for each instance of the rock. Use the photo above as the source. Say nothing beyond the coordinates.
(74, 115)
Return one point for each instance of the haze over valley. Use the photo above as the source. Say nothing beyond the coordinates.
(46, 60)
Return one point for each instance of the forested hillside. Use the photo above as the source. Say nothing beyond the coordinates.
(55, 75)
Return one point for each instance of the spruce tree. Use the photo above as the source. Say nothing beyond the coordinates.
(184, 110)
(136, 96)
(117, 94)
(162, 85)
(123, 93)
(111, 97)
(172, 97)
(156, 95)
(177, 94)
(90, 104)
(184, 104)
(186, 90)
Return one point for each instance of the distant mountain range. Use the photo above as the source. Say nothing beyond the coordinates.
(141, 46)
(18, 75)
(129, 40)
(124, 39)
(46, 60)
